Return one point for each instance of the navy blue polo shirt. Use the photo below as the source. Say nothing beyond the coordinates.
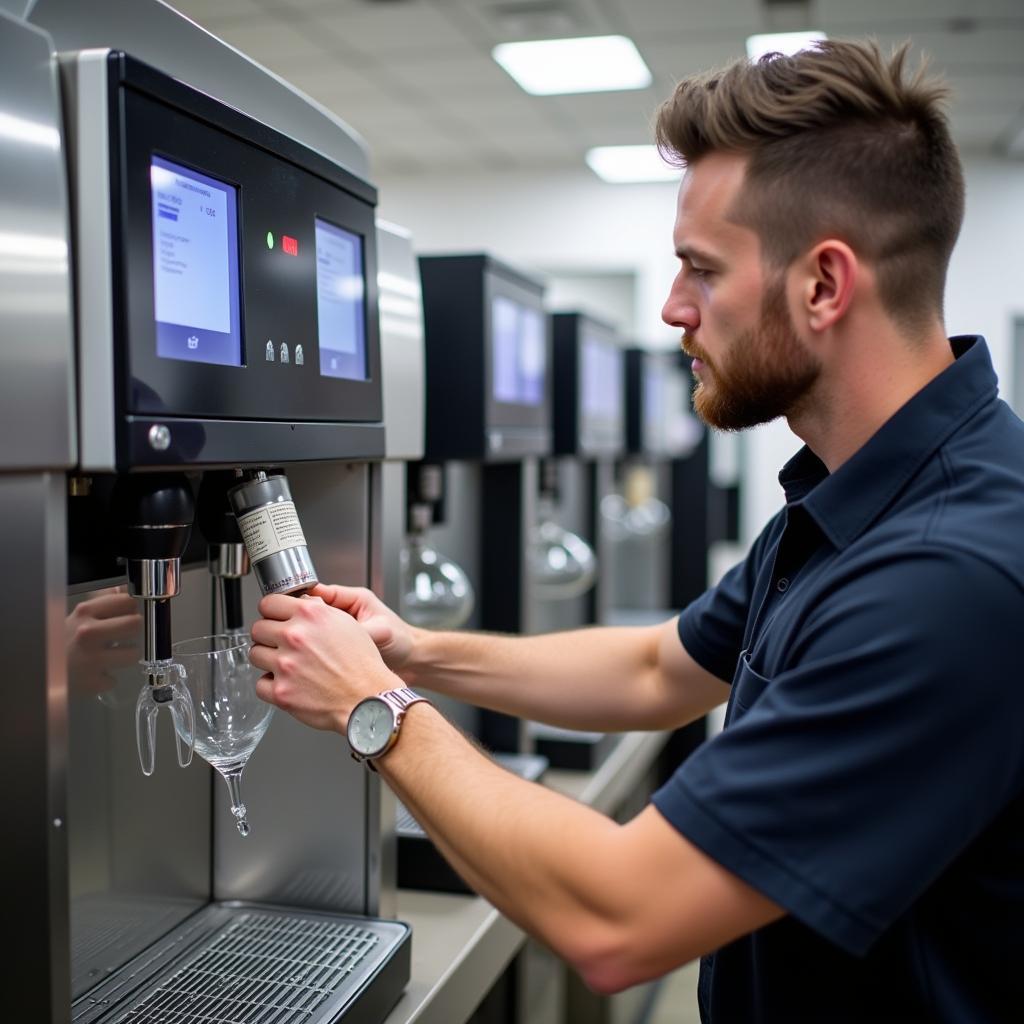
(869, 777)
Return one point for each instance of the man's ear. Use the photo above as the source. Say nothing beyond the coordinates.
(830, 274)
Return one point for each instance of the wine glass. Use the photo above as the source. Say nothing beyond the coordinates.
(230, 719)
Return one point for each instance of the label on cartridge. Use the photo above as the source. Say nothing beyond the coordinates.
(270, 529)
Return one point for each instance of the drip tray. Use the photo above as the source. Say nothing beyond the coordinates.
(239, 963)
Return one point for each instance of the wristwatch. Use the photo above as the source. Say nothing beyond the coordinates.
(375, 721)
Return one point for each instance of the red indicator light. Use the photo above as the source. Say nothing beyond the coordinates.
(290, 245)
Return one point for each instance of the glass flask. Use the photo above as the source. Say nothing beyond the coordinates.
(230, 719)
(561, 564)
(436, 593)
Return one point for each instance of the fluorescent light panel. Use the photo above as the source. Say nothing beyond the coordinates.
(786, 43)
(549, 67)
(626, 164)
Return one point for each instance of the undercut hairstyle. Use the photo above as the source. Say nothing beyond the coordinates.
(840, 144)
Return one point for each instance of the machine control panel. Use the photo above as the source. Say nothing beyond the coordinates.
(242, 288)
(589, 387)
(488, 353)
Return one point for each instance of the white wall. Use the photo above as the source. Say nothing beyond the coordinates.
(569, 221)
(575, 222)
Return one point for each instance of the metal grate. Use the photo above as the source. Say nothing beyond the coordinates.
(261, 968)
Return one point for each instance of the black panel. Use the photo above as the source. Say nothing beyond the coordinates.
(283, 188)
(578, 431)
(634, 400)
(502, 582)
(464, 419)
(690, 526)
(723, 513)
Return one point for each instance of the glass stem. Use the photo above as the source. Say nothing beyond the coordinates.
(234, 781)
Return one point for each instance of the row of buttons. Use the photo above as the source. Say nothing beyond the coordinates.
(300, 357)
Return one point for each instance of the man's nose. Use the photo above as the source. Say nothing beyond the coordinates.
(679, 313)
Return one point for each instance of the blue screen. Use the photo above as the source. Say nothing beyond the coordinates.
(340, 290)
(602, 379)
(195, 266)
(517, 351)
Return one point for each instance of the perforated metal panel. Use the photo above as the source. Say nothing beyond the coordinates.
(246, 966)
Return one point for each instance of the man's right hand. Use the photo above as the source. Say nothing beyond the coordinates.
(394, 637)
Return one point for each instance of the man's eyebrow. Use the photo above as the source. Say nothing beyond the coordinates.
(694, 255)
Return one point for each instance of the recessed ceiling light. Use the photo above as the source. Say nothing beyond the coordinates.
(624, 164)
(548, 67)
(786, 43)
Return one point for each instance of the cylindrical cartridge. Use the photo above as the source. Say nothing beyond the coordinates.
(273, 535)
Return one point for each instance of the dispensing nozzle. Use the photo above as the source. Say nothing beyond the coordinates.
(154, 514)
(227, 558)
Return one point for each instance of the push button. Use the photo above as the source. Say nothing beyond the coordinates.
(270, 351)
(284, 352)
(300, 357)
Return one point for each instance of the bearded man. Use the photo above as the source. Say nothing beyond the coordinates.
(851, 846)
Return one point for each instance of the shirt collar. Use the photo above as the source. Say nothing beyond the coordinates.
(846, 502)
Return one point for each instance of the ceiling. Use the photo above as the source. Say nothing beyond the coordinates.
(416, 79)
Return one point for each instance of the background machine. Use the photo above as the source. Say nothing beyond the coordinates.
(193, 296)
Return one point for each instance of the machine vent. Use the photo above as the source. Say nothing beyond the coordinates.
(260, 967)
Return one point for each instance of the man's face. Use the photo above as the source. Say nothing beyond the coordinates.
(751, 365)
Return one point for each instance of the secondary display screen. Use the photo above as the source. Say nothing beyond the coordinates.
(518, 355)
(602, 367)
(195, 265)
(340, 312)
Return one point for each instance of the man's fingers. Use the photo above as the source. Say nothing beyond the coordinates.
(265, 688)
(263, 657)
(278, 606)
(348, 599)
(267, 632)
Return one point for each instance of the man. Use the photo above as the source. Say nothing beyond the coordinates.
(851, 846)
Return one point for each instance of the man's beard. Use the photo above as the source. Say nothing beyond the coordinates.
(766, 372)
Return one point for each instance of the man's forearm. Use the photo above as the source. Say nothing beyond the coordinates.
(621, 903)
(599, 679)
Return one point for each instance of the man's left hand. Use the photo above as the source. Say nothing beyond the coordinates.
(319, 661)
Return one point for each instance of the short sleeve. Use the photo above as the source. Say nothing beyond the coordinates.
(712, 627)
(893, 737)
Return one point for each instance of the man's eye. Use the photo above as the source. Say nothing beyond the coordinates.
(700, 272)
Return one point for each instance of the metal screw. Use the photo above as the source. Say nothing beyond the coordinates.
(159, 437)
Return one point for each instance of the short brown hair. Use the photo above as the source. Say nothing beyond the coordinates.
(839, 145)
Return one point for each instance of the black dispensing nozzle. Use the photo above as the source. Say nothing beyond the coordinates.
(226, 555)
(153, 516)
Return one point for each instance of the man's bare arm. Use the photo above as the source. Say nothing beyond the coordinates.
(602, 678)
(621, 903)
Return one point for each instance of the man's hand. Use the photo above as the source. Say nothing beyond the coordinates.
(102, 635)
(319, 661)
(394, 637)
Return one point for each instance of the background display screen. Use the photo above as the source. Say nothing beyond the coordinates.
(518, 355)
(602, 368)
(340, 312)
(195, 265)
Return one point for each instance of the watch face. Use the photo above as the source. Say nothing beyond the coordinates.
(370, 726)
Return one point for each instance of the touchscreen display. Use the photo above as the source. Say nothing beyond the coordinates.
(602, 380)
(518, 356)
(652, 403)
(195, 265)
(340, 312)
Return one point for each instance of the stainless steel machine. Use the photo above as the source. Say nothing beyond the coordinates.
(189, 297)
(488, 422)
(588, 402)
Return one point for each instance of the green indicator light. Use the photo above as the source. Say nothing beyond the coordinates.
(270, 239)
